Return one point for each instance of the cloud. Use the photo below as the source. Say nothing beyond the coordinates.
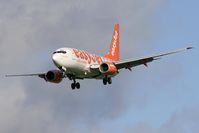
(31, 30)
(180, 122)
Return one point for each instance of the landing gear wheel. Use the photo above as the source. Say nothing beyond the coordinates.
(109, 81)
(77, 85)
(73, 86)
(105, 81)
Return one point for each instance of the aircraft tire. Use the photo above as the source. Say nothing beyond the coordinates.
(105, 81)
(77, 85)
(109, 80)
(73, 86)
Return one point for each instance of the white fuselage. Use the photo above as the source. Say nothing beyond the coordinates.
(77, 62)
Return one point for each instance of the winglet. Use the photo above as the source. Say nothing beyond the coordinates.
(189, 48)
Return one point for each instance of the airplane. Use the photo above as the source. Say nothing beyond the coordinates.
(76, 64)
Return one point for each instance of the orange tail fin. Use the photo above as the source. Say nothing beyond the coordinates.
(114, 52)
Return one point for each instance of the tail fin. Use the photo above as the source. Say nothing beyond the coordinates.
(114, 52)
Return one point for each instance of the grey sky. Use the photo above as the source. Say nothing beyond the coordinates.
(31, 30)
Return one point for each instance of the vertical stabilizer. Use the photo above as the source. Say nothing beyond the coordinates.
(114, 52)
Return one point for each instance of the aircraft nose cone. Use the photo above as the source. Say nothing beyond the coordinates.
(55, 59)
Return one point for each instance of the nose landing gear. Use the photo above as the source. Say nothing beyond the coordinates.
(75, 85)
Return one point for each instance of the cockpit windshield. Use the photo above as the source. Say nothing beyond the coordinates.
(61, 51)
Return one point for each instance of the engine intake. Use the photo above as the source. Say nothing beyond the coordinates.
(54, 76)
(108, 68)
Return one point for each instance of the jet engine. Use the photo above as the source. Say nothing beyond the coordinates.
(54, 76)
(108, 68)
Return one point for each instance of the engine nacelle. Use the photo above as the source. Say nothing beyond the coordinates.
(108, 68)
(54, 76)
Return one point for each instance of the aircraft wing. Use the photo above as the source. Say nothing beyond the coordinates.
(41, 75)
(128, 64)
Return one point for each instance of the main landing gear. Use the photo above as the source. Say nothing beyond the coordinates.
(75, 85)
(107, 80)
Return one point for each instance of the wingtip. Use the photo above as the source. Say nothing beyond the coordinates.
(189, 48)
(7, 76)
